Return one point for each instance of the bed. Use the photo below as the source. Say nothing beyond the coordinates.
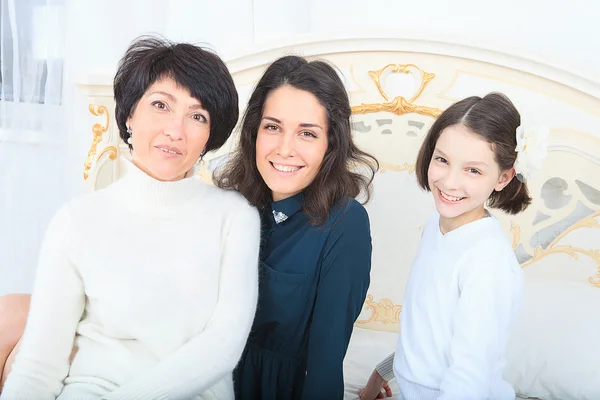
(398, 86)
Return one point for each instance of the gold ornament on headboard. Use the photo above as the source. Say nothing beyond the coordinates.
(399, 105)
(554, 248)
(109, 149)
(98, 130)
(384, 311)
(406, 167)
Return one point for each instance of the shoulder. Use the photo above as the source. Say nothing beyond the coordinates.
(491, 251)
(231, 205)
(83, 204)
(349, 214)
(348, 228)
(225, 198)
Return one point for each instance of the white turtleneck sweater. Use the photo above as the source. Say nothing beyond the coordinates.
(156, 285)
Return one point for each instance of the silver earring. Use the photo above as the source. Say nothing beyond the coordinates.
(130, 134)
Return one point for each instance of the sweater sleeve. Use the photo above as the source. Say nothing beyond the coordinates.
(490, 291)
(212, 354)
(386, 368)
(56, 308)
(341, 294)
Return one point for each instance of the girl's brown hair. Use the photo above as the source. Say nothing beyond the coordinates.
(496, 119)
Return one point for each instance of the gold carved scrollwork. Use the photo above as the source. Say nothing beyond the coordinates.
(110, 149)
(97, 130)
(383, 167)
(571, 251)
(426, 77)
(384, 311)
(399, 105)
(516, 232)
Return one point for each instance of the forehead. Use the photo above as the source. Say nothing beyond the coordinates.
(461, 144)
(169, 87)
(293, 104)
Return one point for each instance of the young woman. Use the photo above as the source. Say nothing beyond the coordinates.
(294, 163)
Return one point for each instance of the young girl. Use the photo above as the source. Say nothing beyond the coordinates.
(293, 163)
(465, 285)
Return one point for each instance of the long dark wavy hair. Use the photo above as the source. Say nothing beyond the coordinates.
(336, 178)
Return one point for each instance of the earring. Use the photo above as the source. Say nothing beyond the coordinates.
(201, 159)
(130, 134)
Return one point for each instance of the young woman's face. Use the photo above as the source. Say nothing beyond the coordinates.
(462, 175)
(170, 129)
(291, 141)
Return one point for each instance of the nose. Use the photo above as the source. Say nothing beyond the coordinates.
(451, 180)
(286, 145)
(175, 128)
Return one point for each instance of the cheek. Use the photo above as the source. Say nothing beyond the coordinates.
(196, 141)
(434, 172)
(265, 145)
(314, 154)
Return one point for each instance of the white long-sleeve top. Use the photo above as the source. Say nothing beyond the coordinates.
(154, 282)
(463, 293)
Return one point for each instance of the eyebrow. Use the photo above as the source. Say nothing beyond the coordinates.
(303, 125)
(468, 163)
(174, 100)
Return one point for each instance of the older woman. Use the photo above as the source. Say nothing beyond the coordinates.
(154, 279)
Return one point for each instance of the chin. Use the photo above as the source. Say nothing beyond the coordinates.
(166, 175)
(450, 211)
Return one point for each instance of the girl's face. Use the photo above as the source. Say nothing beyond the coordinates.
(291, 141)
(462, 175)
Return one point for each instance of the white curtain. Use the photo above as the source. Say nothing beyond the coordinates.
(33, 139)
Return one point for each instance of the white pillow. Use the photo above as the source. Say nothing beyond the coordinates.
(554, 349)
(366, 349)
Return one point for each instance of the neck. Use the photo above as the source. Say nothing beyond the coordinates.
(143, 191)
(450, 224)
(144, 169)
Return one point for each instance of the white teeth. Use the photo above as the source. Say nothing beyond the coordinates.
(168, 151)
(451, 198)
(285, 168)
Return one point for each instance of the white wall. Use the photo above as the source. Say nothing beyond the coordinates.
(98, 32)
(566, 34)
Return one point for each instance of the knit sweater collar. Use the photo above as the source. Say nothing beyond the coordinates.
(141, 191)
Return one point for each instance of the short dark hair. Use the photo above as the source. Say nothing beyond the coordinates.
(496, 119)
(150, 59)
(335, 179)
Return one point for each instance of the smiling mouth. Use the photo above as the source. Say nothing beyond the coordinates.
(450, 199)
(168, 151)
(285, 168)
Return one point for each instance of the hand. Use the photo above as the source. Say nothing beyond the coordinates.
(377, 388)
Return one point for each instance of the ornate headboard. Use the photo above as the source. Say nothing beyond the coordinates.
(397, 88)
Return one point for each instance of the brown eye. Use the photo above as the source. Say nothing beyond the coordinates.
(199, 117)
(160, 105)
(308, 134)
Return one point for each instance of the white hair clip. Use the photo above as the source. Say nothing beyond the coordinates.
(532, 147)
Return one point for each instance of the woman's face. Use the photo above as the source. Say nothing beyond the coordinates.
(170, 129)
(291, 141)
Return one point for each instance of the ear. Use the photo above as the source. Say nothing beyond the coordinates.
(504, 179)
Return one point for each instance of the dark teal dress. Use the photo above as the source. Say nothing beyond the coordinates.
(313, 283)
